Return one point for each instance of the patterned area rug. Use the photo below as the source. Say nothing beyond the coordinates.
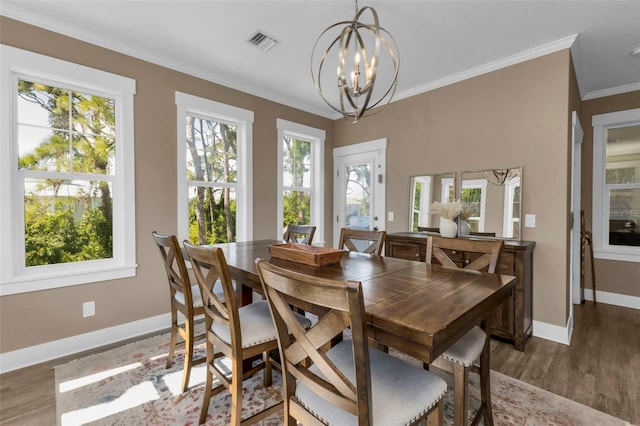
(130, 385)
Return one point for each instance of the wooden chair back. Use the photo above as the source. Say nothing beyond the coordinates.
(209, 265)
(370, 242)
(176, 270)
(345, 305)
(301, 234)
(488, 253)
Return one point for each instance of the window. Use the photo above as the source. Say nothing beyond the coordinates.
(66, 215)
(214, 171)
(511, 220)
(473, 197)
(616, 185)
(300, 177)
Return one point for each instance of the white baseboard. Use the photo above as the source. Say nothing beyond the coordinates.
(552, 332)
(51, 350)
(613, 298)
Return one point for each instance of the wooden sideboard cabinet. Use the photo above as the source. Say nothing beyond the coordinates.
(513, 320)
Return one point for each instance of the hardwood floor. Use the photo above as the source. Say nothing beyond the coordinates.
(600, 369)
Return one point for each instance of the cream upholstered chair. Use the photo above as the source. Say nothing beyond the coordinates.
(349, 383)
(370, 242)
(479, 255)
(185, 298)
(301, 234)
(239, 333)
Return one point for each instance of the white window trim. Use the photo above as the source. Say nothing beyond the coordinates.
(425, 197)
(447, 184)
(482, 184)
(14, 277)
(317, 139)
(601, 247)
(508, 219)
(243, 120)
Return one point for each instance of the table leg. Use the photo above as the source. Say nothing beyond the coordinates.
(485, 370)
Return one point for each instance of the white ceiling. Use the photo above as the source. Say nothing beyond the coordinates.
(440, 42)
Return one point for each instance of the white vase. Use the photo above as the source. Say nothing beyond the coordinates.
(448, 228)
(463, 227)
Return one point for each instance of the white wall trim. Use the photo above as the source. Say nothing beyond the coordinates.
(536, 52)
(608, 298)
(552, 332)
(37, 354)
(611, 91)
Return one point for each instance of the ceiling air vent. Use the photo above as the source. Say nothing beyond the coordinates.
(262, 41)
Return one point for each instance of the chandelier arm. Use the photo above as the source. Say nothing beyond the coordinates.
(393, 86)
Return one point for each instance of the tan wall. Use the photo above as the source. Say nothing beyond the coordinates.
(514, 116)
(611, 276)
(43, 316)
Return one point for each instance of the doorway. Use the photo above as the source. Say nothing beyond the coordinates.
(359, 186)
(577, 135)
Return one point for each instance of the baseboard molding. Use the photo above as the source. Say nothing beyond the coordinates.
(552, 332)
(613, 298)
(32, 355)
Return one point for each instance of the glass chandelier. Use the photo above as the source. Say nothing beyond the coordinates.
(366, 58)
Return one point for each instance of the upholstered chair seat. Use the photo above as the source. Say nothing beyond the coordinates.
(468, 349)
(400, 392)
(256, 325)
(195, 294)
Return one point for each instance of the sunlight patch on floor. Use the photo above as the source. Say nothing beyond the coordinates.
(93, 378)
(133, 397)
(173, 380)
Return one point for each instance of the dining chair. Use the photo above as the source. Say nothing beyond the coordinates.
(370, 242)
(185, 298)
(238, 333)
(478, 255)
(349, 383)
(301, 234)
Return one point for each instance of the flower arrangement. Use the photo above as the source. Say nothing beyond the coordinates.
(466, 212)
(446, 209)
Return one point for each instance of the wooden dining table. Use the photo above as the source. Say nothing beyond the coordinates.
(417, 308)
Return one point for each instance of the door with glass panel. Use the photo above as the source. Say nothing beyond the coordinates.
(359, 196)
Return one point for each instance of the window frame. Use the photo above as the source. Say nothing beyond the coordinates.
(477, 184)
(508, 220)
(601, 201)
(15, 277)
(317, 139)
(243, 120)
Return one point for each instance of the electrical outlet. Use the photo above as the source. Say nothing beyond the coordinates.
(88, 309)
(390, 216)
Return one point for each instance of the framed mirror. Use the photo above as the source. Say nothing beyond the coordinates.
(424, 190)
(491, 203)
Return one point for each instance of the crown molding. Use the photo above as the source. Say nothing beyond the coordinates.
(611, 91)
(536, 52)
(13, 12)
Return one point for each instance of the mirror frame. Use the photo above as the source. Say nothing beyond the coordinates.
(427, 203)
(505, 172)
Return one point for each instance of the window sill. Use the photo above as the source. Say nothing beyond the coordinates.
(30, 283)
(621, 256)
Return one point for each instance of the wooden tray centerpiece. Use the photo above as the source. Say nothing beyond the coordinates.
(304, 253)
